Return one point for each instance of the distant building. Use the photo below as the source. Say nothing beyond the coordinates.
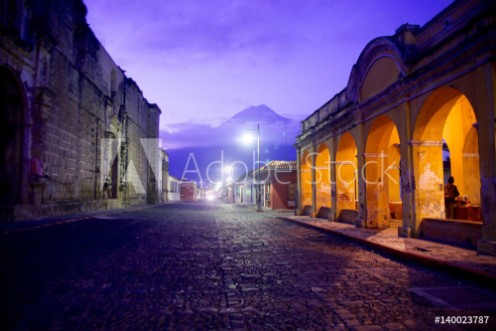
(171, 186)
(203, 191)
(76, 132)
(164, 178)
(189, 191)
(278, 185)
(174, 189)
(374, 152)
(231, 193)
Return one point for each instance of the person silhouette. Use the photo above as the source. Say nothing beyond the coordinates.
(450, 195)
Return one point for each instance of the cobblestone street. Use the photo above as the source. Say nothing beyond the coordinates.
(201, 266)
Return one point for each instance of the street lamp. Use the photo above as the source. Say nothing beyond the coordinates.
(230, 181)
(247, 139)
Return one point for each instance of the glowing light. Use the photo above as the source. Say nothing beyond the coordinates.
(247, 138)
(211, 196)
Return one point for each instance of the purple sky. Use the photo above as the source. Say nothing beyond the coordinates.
(204, 61)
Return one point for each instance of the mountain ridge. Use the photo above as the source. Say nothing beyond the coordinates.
(199, 149)
(274, 129)
(261, 113)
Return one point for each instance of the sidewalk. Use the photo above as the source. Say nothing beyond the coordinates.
(27, 225)
(451, 259)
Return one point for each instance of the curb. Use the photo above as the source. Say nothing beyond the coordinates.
(44, 223)
(487, 279)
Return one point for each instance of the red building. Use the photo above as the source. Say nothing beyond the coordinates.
(188, 191)
(278, 185)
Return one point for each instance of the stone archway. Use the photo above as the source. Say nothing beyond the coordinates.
(306, 179)
(382, 178)
(322, 177)
(11, 139)
(446, 116)
(346, 174)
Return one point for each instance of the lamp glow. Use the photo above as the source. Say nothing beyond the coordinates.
(247, 138)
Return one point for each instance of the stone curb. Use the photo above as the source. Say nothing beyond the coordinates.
(44, 223)
(485, 279)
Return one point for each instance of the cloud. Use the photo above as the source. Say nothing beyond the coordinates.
(192, 57)
(219, 27)
(188, 134)
(201, 30)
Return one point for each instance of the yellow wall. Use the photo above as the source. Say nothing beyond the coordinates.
(306, 179)
(394, 160)
(346, 166)
(457, 127)
(383, 138)
(471, 166)
(322, 177)
(445, 116)
(382, 73)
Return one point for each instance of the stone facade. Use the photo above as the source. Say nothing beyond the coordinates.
(77, 133)
(171, 186)
(379, 149)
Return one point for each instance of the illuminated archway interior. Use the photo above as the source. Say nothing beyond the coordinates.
(382, 160)
(322, 177)
(447, 117)
(306, 179)
(346, 174)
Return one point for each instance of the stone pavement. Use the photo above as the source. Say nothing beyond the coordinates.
(200, 266)
(466, 262)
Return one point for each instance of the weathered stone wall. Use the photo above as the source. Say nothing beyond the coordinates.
(80, 113)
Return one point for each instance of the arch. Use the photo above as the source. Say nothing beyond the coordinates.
(434, 114)
(346, 174)
(380, 48)
(382, 73)
(12, 126)
(446, 116)
(382, 160)
(306, 179)
(322, 177)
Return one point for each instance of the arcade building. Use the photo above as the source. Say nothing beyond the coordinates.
(418, 108)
